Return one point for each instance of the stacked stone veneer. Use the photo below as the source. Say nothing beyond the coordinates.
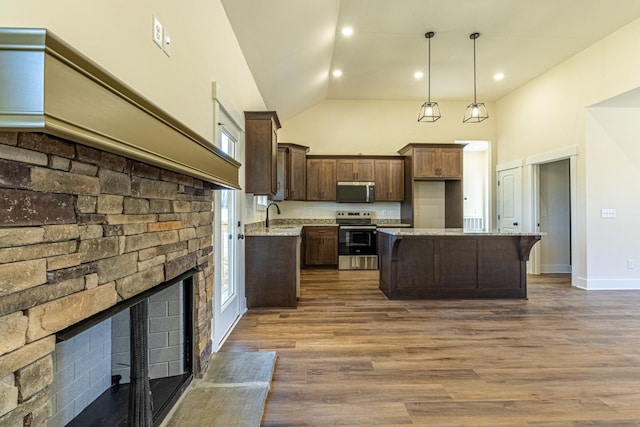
(80, 230)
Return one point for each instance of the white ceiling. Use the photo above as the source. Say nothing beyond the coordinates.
(292, 45)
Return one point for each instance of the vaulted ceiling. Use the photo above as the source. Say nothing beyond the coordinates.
(292, 46)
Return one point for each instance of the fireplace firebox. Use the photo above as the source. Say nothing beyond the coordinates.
(93, 372)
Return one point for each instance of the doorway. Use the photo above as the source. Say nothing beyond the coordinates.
(553, 169)
(227, 296)
(554, 213)
(476, 187)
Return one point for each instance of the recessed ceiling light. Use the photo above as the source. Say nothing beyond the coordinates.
(498, 76)
(418, 75)
(347, 31)
(337, 73)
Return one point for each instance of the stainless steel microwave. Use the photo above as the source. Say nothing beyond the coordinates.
(355, 192)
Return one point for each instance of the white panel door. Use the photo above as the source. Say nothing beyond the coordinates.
(510, 200)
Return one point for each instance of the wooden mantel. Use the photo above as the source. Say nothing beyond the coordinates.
(47, 86)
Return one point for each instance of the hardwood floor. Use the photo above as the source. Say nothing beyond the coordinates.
(348, 356)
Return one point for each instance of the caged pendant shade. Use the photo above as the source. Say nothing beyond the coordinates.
(475, 112)
(429, 112)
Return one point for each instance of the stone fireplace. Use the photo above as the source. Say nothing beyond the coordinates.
(103, 197)
(80, 231)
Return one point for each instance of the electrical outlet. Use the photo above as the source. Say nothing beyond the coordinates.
(309, 212)
(630, 264)
(166, 45)
(608, 213)
(157, 32)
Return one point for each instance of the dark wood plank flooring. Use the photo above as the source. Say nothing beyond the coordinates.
(347, 356)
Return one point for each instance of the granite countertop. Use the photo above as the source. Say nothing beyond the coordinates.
(293, 227)
(447, 232)
(276, 230)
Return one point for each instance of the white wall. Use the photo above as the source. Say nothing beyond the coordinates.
(117, 35)
(613, 163)
(549, 114)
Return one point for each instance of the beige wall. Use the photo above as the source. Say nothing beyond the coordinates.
(379, 127)
(117, 35)
(549, 114)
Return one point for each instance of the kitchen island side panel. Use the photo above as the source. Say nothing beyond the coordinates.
(271, 271)
(454, 266)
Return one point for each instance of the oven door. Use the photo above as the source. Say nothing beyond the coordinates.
(357, 240)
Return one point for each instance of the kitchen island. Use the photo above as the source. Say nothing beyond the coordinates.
(420, 263)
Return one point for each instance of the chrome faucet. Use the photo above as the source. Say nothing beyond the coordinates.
(266, 222)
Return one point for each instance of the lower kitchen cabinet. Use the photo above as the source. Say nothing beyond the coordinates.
(321, 246)
(272, 271)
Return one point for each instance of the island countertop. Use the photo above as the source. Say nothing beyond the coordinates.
(448, 232)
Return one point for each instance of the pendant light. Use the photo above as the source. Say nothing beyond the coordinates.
(429, 112)
(476, 112)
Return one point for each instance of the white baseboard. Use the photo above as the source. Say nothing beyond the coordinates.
(612, 284)
(555, 268)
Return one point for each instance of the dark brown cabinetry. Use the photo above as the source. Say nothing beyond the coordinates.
(272, 271)
(437, 162)
(292, 172)
(454, 266)
(355, 170)
(321, 245)
(434, 162)
(389, 179)
(321, 179)
(261, 152)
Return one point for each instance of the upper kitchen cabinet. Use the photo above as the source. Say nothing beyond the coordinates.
(389, 179)
(261, 152)
(321, 179)
(292, 172)
(355, 170)
(435, 161)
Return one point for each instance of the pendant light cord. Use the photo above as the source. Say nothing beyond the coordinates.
(475, 100)
(474, 36)
(429, 76)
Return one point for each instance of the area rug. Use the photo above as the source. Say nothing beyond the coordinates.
(232, 392)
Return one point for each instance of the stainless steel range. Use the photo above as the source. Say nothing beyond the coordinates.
(357, 247)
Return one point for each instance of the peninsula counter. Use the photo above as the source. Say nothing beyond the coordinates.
(420, 263)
